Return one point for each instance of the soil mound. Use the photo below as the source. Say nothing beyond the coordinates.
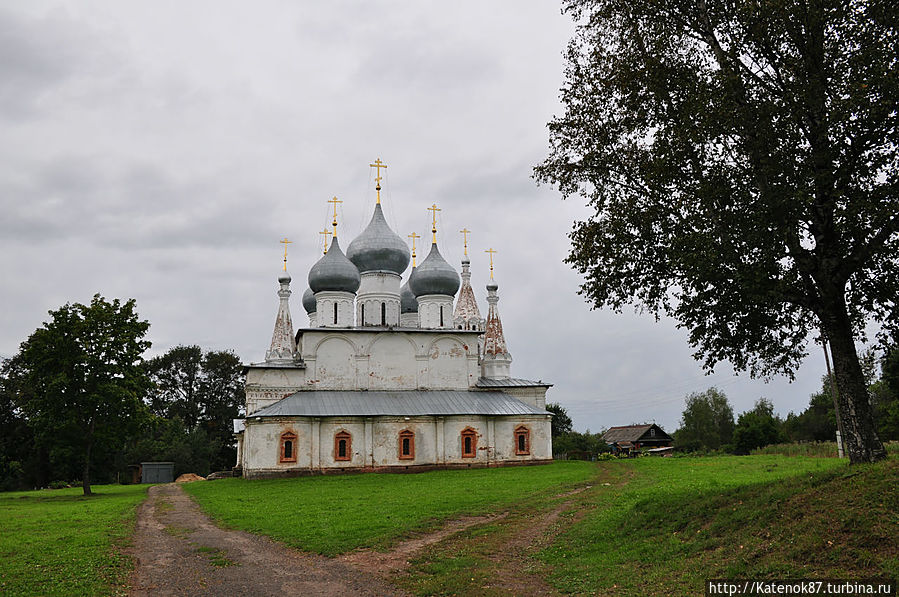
(189, 478)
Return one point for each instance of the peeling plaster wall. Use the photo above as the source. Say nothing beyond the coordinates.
(265, 386)
(535, 396)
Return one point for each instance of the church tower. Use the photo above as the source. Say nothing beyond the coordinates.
(434, 285)
(467, 316)
(334, 281)
(496, 360)
(381, 257)
(283, 348)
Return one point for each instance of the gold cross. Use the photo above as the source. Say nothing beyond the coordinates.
(465, 232)
(491, 251)
(378, 164)
(413, 236)
(285, 242)
(434, 209)
(325, 234)
(335, 201)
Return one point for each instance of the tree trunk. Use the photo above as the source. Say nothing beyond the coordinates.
(86, 473)
(856, 415)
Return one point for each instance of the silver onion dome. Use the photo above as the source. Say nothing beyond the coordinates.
(334, 272)
(379, 248)
(284, 277)
(309, 301)
(434, 276)
(408, 302)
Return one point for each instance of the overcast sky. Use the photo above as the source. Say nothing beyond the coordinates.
(160, 150)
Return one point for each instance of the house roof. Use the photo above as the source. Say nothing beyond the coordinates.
(324, 403)
(631, 433)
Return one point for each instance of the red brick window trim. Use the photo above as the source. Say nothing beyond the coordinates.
(407, 445)
(522, 441)
(288, 448)
(343, 446)
(469, 443)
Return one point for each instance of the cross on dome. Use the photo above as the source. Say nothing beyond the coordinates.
(378, 165)
(285, 242)
(335, 201)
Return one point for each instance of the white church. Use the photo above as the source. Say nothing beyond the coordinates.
(388, 375)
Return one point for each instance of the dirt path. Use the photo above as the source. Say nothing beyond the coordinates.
(179, 551)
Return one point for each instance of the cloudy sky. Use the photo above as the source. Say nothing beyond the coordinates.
(160, 151)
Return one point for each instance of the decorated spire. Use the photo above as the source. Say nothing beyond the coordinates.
(283, 348)
(414, 236)
(334, 201)
(467, 314)
(434, 209)
(378, 165)
(496, 360)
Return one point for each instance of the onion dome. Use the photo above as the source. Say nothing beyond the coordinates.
(379, 248)
(284, 277)
(334, 272)
(408, 302)
(434, 276)
(309, 301)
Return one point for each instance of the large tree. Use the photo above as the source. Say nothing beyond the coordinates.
(741, 158)
(707, 421)
(81, 382)
(203, 391)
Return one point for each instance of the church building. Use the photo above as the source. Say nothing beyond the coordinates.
(389, 374)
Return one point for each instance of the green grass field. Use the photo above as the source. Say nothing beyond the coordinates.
(58, 542)
(332, 515)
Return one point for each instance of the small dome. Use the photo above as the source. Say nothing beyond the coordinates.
(408, 302)
(334, 272)
(309, 301)
(284, 277)
(379, 248)
(434, 276)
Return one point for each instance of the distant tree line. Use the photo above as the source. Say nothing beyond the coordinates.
(79, 403)
(708, 424)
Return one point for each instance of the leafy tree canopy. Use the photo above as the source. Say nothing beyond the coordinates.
(80, 382)
(757, 428)
(741, 160)
(561, 422)
(707, 421)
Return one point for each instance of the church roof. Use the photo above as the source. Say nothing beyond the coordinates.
(325, 403)
(484, 382)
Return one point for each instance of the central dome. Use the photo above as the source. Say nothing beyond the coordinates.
(334, 272)
(434, 276)
(379, 248)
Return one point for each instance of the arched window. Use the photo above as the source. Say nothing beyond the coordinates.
(522, 440)
(363, 315)
(407, 445)
(441, 315)
(335, 313)
(383, 313)
(469, 442)
(288, 448)
(343, 445)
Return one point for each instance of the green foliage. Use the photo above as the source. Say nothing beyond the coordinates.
(757, 428)
(561, 422)
(576, 442)
(741, 162)
(816, 423)
(885, 395)
(332, 515)
(80, 383)
(61, 543)
(195, 397)
(707, 422)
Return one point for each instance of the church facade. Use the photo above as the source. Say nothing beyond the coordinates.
(388, 375)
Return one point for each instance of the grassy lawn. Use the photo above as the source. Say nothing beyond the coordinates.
(332, 515)
(58, 542)
(679, 521)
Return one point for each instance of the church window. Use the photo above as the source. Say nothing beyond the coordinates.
(441, 315)
(383, 313)
(288, 451)
(363, 314)
(469, 443)
(343, 444)
(522, 440)
(407, 445)
(335, 313)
